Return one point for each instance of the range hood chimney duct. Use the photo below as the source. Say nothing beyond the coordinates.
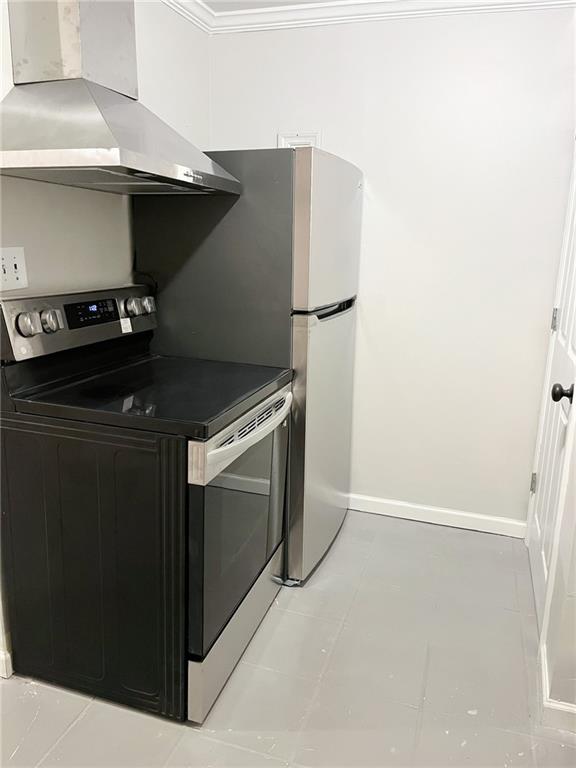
(73, 116)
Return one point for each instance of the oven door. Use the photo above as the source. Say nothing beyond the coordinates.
(236, 514)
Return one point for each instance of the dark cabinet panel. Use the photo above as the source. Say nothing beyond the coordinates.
(29, 587)
(93, 534)
(76, 520)
(139, 538)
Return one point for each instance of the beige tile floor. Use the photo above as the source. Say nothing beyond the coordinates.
(413, 645)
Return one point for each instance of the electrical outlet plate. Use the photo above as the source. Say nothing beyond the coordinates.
(12, 269)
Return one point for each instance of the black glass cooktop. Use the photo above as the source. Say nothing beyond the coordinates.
(195, 398)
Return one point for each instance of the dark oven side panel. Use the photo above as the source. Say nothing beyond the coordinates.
(223, 265)
(93, 536)
(196, 499)
(6, 352)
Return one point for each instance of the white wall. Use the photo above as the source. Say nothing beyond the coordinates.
(463, 127)
(73, 239)
(173, 69)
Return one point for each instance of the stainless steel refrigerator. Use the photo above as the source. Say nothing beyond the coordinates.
(271, 278)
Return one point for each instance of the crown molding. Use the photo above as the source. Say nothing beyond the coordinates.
(344, 12)
(199, 14)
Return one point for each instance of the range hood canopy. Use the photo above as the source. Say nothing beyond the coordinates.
(72, 117)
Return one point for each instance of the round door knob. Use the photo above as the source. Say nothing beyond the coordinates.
(50, 320)
(558, 392)
(148, 305)
(133, 306)
(28, 324)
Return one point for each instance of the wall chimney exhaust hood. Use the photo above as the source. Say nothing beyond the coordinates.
(73, 117)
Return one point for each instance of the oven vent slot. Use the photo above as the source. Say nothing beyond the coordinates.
(246, 429)
(262, 417)
(254, 423)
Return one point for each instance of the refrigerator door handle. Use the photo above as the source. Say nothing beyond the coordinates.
(335, 309)
(323, 313)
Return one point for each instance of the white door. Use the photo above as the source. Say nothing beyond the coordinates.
(551, 452)
(558, 637)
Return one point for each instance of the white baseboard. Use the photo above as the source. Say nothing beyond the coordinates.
(5, 664)
(439, 515)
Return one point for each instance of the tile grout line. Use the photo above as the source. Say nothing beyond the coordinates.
(175, 747)
(516, 590)
(25, 735)
(309, 615)
(420, 718)
(532, 687)
(365, 565)
(274, 607)
(304, 678)
(317, 681)
(231, 745)
(309, 709)
(66, 731)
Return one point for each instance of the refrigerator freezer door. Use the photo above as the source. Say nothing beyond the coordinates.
(327, 224)
(320, 446)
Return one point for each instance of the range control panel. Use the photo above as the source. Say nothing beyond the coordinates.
(42, 325)
(83, 313)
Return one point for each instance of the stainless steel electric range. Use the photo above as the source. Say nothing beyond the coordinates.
(142, 502)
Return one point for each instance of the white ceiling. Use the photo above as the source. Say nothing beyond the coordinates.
(249, 5)
(335, 6)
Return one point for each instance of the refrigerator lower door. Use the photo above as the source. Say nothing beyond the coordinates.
(323, 358)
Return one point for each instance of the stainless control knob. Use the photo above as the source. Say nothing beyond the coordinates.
(148, 305)
(133, 306)
(50, 320)
(28, 324)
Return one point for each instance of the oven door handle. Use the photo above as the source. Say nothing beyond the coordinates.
(228, 453)
(206, 459)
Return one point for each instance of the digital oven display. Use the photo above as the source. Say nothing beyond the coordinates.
(91, 313)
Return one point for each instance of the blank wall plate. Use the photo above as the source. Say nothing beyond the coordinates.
(12, 269)
(299, 139)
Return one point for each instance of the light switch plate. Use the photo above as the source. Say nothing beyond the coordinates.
(12, 269)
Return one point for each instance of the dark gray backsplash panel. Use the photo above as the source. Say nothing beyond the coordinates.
(223, 266)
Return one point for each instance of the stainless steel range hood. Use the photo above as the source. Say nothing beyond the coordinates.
(73, 117)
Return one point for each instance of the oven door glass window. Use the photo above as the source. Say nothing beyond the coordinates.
(243, 510)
